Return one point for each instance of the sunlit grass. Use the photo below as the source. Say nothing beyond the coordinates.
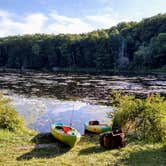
(31, 149)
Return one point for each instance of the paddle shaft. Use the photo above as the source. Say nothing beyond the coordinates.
(71, 119)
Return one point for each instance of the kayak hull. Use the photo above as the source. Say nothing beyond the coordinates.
(71, 138)
(101, 128)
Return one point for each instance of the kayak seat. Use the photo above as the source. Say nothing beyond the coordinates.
(66, 129)
(59, 127)
(95, 122)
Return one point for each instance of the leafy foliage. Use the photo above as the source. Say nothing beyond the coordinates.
(146, 118)
(128, 45)
(9, 118)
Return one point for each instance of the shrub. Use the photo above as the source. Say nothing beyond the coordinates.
(146, 118)
(9, 118)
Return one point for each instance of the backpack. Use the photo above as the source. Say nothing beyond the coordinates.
(113, 140)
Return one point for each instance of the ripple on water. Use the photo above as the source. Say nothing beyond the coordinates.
(63, 86)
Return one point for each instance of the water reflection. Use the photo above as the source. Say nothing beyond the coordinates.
(39, 97)
(40, 113)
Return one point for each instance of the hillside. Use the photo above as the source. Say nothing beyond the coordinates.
(132, 45)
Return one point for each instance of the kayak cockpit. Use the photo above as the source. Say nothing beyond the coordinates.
(66, 130)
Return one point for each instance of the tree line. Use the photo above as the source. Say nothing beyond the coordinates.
(129, 45)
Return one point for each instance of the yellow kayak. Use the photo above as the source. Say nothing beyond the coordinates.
(97, 128)
(68, 135)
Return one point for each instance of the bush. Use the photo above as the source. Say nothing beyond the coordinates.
(146, 118)
(9, 118)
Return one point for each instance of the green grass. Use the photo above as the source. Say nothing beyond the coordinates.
(42, 149)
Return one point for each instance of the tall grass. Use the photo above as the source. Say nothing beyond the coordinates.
(9, 118)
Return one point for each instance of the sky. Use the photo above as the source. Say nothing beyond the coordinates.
(19, 17)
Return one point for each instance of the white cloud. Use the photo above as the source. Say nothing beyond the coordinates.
(108, 17)
(41, 23)
(4, 14)
(12, 24)
(105, 18)
(104, 21)
(33, 23)
(63, 24)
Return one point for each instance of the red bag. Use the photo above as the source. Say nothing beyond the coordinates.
(66, 129)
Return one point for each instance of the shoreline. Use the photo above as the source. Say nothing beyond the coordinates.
(90, 71)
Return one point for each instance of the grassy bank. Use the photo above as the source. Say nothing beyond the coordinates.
(37, 149)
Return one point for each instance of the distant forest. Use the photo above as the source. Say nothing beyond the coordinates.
(129, 46)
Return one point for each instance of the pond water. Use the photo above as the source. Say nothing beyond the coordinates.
(40, 113)
(84, 87)
(45, 98)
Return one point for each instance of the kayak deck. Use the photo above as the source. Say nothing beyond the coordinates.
(70, 136)
(100, 128)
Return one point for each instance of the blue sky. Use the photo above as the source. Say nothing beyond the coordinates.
(71, 16)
